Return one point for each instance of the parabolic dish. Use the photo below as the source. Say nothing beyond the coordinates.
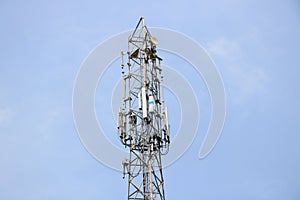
(154, 40)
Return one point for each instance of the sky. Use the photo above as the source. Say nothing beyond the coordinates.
(255, 46)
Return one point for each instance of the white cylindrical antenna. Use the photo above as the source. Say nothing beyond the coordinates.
(122, 57)
(120, 118)
(140, 100)
(124, 90)
(167, 121)
(144, 101)
(121, 124)
(162, 90)
(151, 103)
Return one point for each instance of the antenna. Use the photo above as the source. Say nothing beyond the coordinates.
(143, 120)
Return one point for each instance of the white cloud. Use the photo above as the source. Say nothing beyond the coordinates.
(5, 116)
(246, 83)
(244, 80)
(224, 48)
(51, 121)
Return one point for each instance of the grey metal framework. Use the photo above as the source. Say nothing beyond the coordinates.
(143, 119)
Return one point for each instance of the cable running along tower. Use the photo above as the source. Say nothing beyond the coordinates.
(143, 118)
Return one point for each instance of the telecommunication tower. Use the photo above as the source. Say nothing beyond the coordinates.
(143, 118)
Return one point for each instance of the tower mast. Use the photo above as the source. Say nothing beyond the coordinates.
(143, 119)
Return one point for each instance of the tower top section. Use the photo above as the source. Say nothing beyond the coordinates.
(141, 42)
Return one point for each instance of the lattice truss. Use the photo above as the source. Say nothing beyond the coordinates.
(143, 119)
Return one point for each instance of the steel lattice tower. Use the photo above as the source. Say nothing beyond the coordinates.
(143, 119)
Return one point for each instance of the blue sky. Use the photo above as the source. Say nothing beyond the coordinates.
(256, 48)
